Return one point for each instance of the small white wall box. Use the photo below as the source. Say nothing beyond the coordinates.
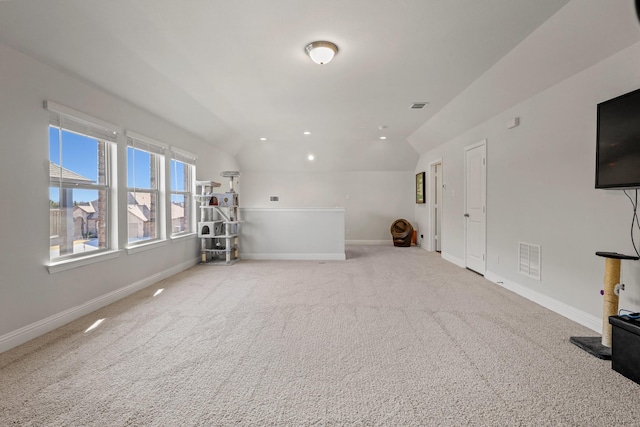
(224, 199)
(206, 229)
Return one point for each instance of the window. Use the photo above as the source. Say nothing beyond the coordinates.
(145, 167)
(182, 187)
(81, 166)
(83, 190)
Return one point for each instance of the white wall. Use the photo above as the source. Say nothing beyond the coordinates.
(540, 190)
(32, 300)
(372, 200)
(292, 233)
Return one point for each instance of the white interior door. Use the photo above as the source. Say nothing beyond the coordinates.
(437, 206)
(475, 206)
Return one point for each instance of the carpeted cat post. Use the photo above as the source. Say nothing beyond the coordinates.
(610, 304)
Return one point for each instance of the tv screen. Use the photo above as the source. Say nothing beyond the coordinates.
(618, 142)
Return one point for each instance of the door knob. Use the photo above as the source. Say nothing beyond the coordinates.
(466, 215)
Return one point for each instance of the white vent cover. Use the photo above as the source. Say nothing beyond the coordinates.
(529, 260)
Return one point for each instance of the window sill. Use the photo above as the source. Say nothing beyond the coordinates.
(145, 246)
(68, 264)
(184, 236)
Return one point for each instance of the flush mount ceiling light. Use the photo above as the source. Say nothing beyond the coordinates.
(321, 52)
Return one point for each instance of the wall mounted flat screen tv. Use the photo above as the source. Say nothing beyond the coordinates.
(618, 142)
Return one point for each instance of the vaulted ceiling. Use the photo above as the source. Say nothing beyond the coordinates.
(232, 72)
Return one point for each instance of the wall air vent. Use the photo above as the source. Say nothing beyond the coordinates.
(418, 105)
(529, 260)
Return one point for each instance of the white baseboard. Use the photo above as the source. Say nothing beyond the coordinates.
(457, 261)
(294, 256)
(369, 242)
(585, 319)
(34, 330)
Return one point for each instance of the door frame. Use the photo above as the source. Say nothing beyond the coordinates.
(484, 225)
(432, 209)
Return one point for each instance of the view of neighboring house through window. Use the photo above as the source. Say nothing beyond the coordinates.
(182, 187)
(79, 186)
(145, 167)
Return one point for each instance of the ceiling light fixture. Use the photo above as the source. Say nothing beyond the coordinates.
(310, 157)
(263, 139)
(321, 52)
(306, 132)
(383, 137)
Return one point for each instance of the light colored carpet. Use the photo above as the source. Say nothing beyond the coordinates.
(391, 336)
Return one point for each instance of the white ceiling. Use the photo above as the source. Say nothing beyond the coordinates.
(232, 72)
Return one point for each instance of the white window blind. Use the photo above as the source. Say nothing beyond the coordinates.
(183, 156)
(144, 143)
(78, 122)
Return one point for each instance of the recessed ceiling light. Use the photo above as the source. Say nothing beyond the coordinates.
(383, 137)
(263, 139)
(310, 157)
(306, 132)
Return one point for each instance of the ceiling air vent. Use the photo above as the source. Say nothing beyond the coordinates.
(418, 105)
(529, 260)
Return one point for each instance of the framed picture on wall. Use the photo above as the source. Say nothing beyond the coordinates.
(420, 187)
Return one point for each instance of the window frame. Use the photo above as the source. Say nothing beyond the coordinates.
(189, 161)
(156, 149)
(66, 119)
